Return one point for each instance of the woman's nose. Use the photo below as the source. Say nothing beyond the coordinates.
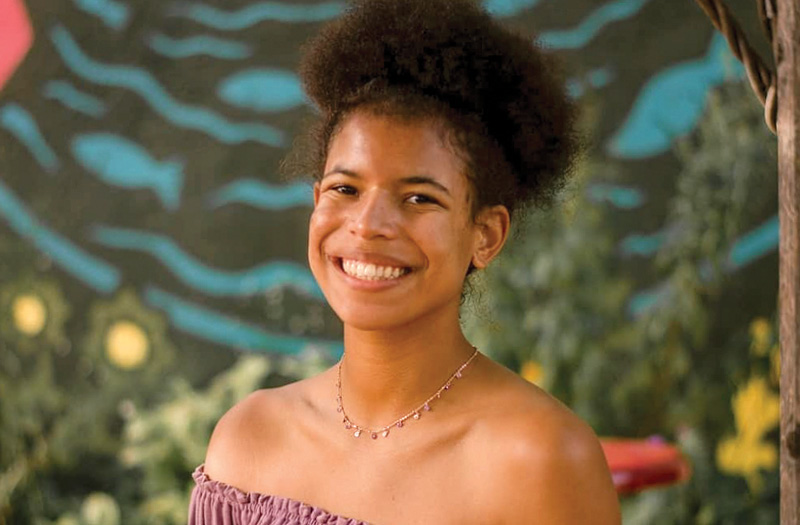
(375, 217)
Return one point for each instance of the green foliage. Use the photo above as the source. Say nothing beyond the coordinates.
(168, 441)
(82, 450)
(670, 366)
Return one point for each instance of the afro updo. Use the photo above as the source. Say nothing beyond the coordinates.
(499, 99)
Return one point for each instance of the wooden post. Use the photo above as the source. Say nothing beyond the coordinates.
(787, 58)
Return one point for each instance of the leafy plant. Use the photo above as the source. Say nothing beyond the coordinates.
(671, 360)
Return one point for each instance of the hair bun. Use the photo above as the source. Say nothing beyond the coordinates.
(452, 51)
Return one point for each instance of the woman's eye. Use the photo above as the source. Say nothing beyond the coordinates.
(344, 189)
(421, 199)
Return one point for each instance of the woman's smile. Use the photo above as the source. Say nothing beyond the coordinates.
(367, 276)
(371, 272)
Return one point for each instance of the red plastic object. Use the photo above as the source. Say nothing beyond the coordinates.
(17, 37)
(640, 464)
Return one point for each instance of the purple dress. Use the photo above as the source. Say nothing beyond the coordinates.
(215, 503)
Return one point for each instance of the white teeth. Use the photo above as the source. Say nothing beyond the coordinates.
(371, 272)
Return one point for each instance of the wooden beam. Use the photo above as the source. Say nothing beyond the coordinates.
(787, 58)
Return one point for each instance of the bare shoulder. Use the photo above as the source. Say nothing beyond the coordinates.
(542, 461)
(246, 434)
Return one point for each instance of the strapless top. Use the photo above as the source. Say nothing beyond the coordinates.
(216, 503)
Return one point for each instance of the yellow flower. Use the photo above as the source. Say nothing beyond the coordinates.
(760, 334)
(756, 411)
(125, 335)
(127, 346)
(33, 312)
(532, 372)
(29, 313)
(737, 455)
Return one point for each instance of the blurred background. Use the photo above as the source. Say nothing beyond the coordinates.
(153, 268)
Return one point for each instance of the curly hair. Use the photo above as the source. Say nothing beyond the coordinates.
(499, 99)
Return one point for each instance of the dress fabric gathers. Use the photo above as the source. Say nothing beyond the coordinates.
(216, 503)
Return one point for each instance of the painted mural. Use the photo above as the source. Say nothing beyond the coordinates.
(141, 145)
(143, 218)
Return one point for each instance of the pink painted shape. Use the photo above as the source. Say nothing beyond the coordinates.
(17, 37)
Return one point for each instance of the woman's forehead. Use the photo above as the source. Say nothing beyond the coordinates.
(391, 145)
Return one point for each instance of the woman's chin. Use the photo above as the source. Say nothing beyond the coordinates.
(373, 319)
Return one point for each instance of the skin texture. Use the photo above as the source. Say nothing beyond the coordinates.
(494, 449)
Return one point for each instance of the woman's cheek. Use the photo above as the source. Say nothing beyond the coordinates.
(323, 222)
(322, 219)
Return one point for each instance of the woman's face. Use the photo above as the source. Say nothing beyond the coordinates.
(391, 236)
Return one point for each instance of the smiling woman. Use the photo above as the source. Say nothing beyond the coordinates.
(437, 126)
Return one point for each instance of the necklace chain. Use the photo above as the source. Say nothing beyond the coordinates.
(397, 423)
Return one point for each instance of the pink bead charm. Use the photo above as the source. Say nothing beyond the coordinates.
(374, 435)
(399, 424)
(427, 407)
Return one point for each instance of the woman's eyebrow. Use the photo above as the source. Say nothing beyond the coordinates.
(343, 171)
(414, 179)
(423, 179)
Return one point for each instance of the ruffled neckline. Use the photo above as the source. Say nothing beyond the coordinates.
(277, 505)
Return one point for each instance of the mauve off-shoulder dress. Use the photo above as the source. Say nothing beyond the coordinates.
(215, 503)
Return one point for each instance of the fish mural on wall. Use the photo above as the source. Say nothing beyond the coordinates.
(123, 163)
(141, 146)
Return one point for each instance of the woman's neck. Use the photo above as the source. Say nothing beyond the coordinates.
(385, 374)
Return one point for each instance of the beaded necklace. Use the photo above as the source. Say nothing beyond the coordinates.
(397, 423)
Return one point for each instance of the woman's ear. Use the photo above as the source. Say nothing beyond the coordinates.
(492, 225)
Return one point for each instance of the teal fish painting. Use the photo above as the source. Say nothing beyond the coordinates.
(125, 164)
